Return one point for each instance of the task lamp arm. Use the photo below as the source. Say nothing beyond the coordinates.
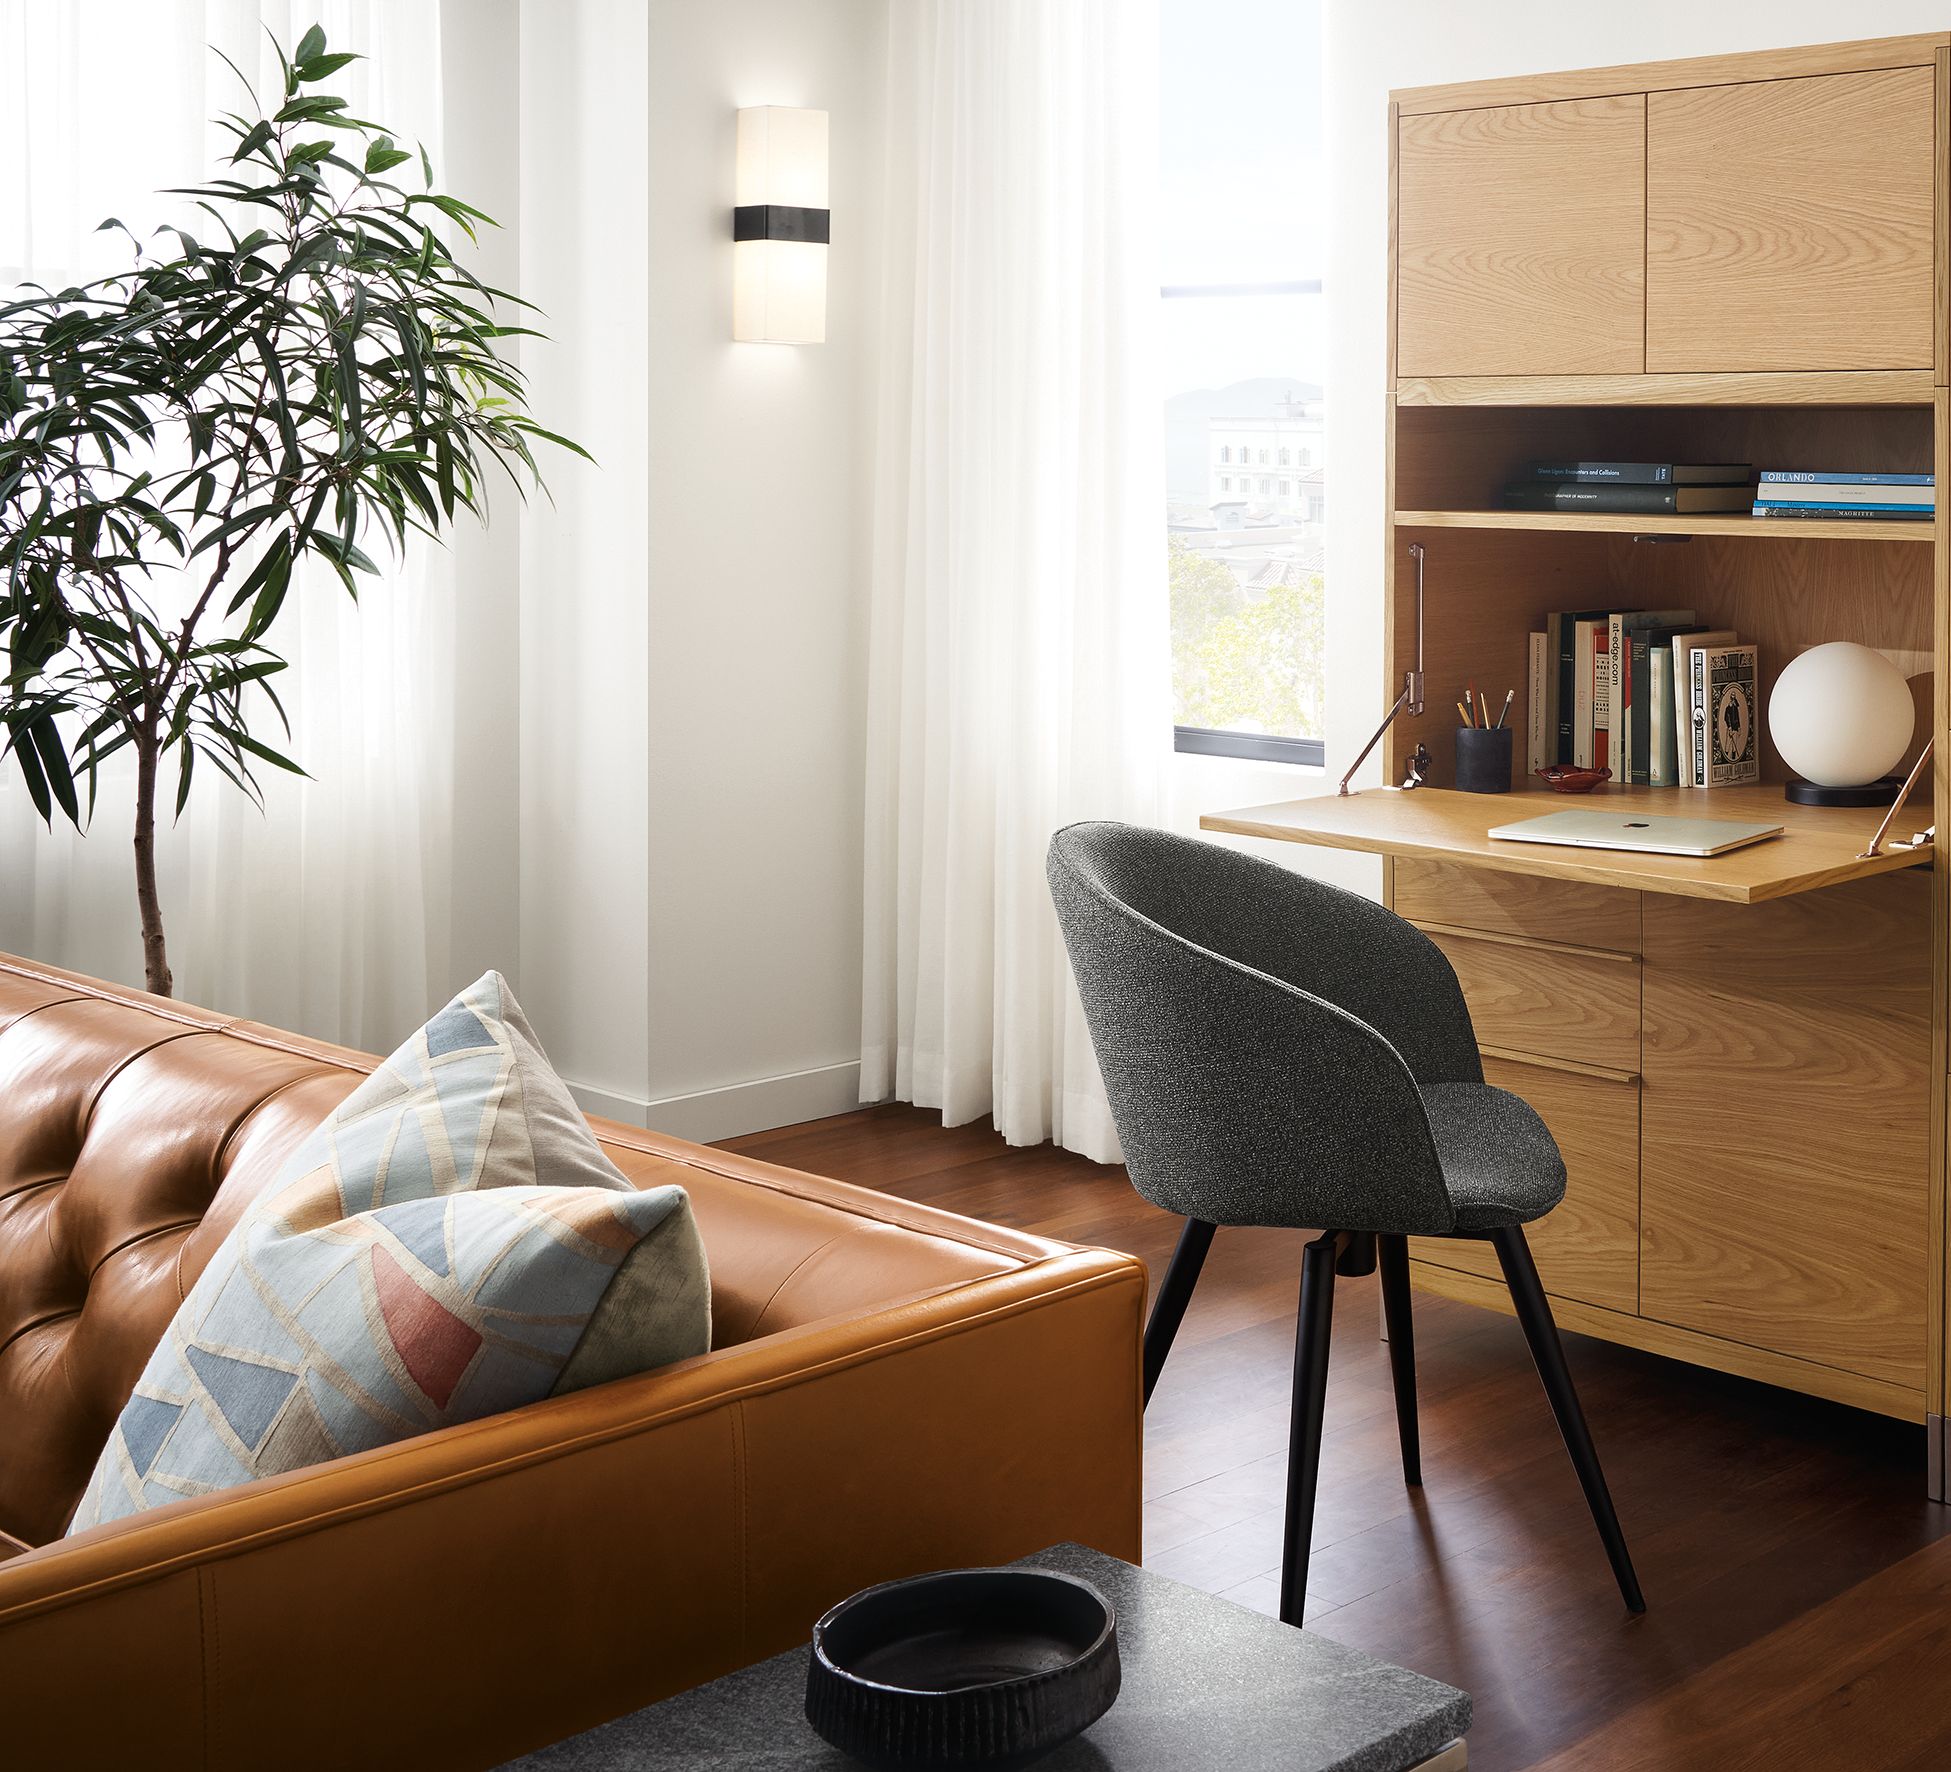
(1411, 697)
(1903, 793)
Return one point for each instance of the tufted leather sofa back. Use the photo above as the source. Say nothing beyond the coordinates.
(134, 1133)
(132, 1137)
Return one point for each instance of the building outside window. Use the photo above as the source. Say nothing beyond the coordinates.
(1243, 216)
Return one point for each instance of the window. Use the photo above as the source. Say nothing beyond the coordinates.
(1243, 230)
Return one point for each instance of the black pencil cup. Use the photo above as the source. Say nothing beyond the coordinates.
(1483, 759)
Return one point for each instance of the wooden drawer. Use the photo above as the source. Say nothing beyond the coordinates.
(1458, 897)
(1785, 1199)
(1553, 1002)
(1789, 223)
(1588, 1248)
(1521, 239)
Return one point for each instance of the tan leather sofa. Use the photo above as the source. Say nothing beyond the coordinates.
(891, 1389)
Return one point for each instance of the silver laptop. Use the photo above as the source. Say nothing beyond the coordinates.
(1654, 833)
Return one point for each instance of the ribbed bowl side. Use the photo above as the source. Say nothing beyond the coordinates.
(983, 1726)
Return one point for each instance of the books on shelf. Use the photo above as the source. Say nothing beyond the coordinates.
(1820, 493)
(1632, 640)
(1642, 473)
(1652, 501)
(1637, 488)
(1647, 693)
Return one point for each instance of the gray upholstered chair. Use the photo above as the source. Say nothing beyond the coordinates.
(1280, 1052)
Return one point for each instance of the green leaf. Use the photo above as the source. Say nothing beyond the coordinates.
(310, 46)
(320, 67)
(31, 773)
(254, 142)
(382, 155)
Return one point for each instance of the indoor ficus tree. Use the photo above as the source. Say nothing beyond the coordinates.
(313, 371)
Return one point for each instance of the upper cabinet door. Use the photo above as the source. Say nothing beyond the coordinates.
(1521, 239)
(1789, 224)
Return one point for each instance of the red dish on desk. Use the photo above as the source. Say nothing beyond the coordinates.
(1568, 778)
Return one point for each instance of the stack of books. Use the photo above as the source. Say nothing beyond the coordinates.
(1791, 492)
(1646, 693)
(1638, 487)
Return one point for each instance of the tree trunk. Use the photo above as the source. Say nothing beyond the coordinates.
(155, 956)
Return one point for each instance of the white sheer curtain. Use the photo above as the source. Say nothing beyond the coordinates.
(1018, 674)
(327, 912)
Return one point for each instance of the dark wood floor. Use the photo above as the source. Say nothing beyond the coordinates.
(1798, 1583)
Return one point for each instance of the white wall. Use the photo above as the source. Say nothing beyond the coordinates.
(1372, 48)
(586, 557)
(757, 507)
(691, 611)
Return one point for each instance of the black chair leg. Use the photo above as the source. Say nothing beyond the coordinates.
(1311, 1334)
(1534, 1312)
(1174, 1294)
(1392, 1254)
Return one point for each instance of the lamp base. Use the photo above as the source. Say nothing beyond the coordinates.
(1870, 793)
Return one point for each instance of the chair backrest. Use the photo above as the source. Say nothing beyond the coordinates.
(1261, 1035)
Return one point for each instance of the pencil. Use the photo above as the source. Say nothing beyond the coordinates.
(1465, 712)
(1503, 713)
(1484, 702)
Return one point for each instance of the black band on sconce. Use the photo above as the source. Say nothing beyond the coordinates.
(780, 221)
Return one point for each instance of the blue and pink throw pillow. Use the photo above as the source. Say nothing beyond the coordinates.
(450, 1243)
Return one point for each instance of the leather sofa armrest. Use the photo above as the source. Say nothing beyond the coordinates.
(471, 1594)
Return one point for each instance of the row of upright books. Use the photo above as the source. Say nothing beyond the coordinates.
(1647, 693)
(1645, 488)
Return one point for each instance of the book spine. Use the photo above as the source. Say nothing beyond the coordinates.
(1662, 762)
(1564, 675)
(1639, 697)
(1601, 720)
(1538, 668)
(1796, 477)
(1683, 775)
(1910, 513)
(1615, 700)
(1638, 500)
(1697, 714)
(1615, 473)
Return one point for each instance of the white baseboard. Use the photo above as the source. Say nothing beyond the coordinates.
(712, 1114)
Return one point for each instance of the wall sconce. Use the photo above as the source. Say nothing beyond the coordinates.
(779, 229)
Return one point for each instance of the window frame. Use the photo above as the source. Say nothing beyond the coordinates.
(1207, 741)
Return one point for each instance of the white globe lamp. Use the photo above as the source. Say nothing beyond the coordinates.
(1842, 718)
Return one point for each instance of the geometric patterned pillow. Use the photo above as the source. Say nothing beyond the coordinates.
(450, 1243)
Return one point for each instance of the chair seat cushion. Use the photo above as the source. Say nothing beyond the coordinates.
(1499, 1163)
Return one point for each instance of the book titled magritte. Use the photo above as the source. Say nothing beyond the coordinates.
(1723, 706)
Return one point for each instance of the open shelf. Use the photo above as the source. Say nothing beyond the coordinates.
(1702, 523)
(1820, 845)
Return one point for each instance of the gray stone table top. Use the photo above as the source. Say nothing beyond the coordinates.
(1205, 1683)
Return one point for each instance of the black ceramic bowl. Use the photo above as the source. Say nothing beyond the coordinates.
(971, 1667)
